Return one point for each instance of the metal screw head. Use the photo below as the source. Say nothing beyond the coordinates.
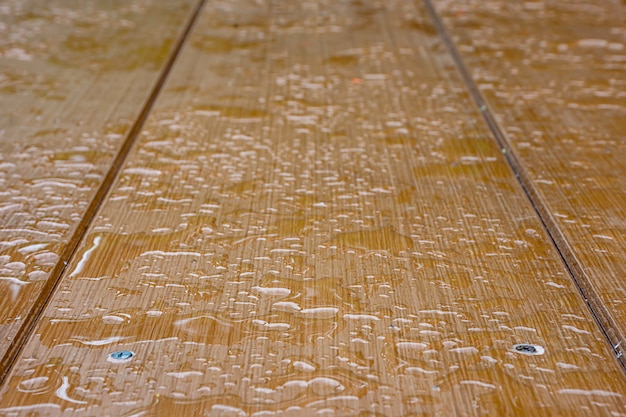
(121, 356)
(528, 349)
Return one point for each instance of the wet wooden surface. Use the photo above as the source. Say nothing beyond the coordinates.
(73, 78)
(554, 74)
(316, 221)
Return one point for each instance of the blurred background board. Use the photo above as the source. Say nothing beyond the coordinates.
(74, 77)
(316, 221)
(554, 75)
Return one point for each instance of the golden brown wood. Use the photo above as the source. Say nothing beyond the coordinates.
(316, 221)
(553, 73)
(73, 78)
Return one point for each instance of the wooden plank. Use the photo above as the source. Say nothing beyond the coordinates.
(73, 78)
(316, 221)
(553, 74)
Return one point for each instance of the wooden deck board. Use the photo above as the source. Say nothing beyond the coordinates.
(73, 78)
(315, 220)
(554, 75)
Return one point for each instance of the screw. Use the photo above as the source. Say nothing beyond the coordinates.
(121, 356)
(527, 349)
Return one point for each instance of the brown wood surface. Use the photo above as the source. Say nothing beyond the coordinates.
(554, 74)
(73, 78)
(316, 221)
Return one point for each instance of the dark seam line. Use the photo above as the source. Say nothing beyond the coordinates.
(31, 320)
(598, 310)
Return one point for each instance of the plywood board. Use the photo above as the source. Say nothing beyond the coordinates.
(553, 73)
(316, 221)
(74, 76)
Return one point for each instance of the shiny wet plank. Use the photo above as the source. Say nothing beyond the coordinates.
(315, 221)
(73, 78)
(554, 75)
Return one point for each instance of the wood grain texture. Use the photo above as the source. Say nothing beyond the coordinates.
(554, 75)
(315, 221)
(73, 78)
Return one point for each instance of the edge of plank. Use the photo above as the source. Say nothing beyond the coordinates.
(599, 311)
(40, 304)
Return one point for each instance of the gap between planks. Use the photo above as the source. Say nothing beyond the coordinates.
(31, 319)
(599, 311)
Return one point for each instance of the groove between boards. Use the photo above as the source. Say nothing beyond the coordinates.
(49, 288)
(599, 311)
